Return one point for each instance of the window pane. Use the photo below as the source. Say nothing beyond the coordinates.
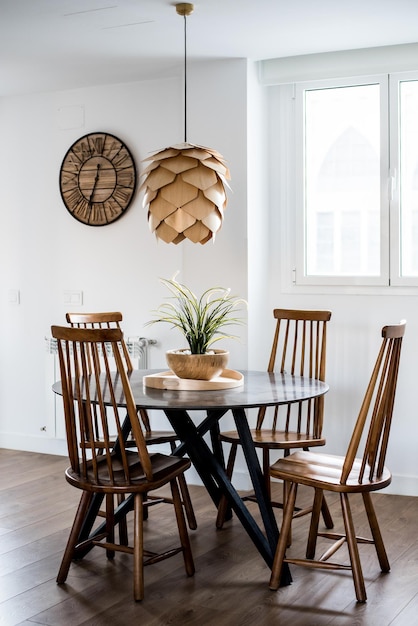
(342, 178)
(409, 177)
(324, 241)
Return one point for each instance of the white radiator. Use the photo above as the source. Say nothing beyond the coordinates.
(138, 348)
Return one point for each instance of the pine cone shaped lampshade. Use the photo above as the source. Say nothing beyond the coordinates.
(185, 193)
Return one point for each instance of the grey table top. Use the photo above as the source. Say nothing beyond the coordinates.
(259, 389)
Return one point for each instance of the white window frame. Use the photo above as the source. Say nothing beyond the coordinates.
(300, 276)
(395, 210)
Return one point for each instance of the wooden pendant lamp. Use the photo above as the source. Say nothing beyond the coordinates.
(185, 183)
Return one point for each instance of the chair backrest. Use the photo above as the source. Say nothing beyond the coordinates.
(377, 409)
(107, 319)
(299, 349)
(89, 392)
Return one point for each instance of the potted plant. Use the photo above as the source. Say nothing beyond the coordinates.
(202, 322)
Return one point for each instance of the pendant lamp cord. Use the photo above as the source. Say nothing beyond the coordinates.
(185, 79)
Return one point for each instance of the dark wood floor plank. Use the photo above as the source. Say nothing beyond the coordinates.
(230, 587)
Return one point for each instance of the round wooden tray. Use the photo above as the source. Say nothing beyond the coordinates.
(168, 380)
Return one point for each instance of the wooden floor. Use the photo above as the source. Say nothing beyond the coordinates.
(230, 586)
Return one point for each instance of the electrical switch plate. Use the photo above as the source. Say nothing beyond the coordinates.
(73, 298)
(13, 296)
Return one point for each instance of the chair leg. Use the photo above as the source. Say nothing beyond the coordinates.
(353, 549)
(313, 528)
(328, 521)
(145, 512)
(266, 471)
(123, 527)
(138, 554)
(73, 538)
(377, 536)
(223, 503)
(181, 523)
(187, 501)
(110, 523)
(285, 497)
(279, 556)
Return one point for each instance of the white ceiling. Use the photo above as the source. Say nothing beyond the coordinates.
(59, 44)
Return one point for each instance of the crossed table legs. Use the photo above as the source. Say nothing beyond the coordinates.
(210, 467)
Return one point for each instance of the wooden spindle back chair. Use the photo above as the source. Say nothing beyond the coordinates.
(361, 471)
(97, 466)
(299, 348)
(113, 319)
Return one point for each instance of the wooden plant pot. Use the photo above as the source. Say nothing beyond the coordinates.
(197, 366)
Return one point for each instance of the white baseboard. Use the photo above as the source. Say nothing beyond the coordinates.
(403, 485)
(28, 443)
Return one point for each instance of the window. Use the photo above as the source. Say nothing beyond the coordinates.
(357, 199)
(405, 161)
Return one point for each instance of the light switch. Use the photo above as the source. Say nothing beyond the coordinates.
(13, 296)
(73, 298)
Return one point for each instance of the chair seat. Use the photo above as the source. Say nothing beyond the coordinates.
(154, 437)
(161, 436)
(324, 471)
(279, 439)
(164, 468)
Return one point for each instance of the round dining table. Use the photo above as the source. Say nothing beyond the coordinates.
(195, 413)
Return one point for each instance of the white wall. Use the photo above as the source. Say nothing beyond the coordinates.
(357, 314)
(44, 251)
